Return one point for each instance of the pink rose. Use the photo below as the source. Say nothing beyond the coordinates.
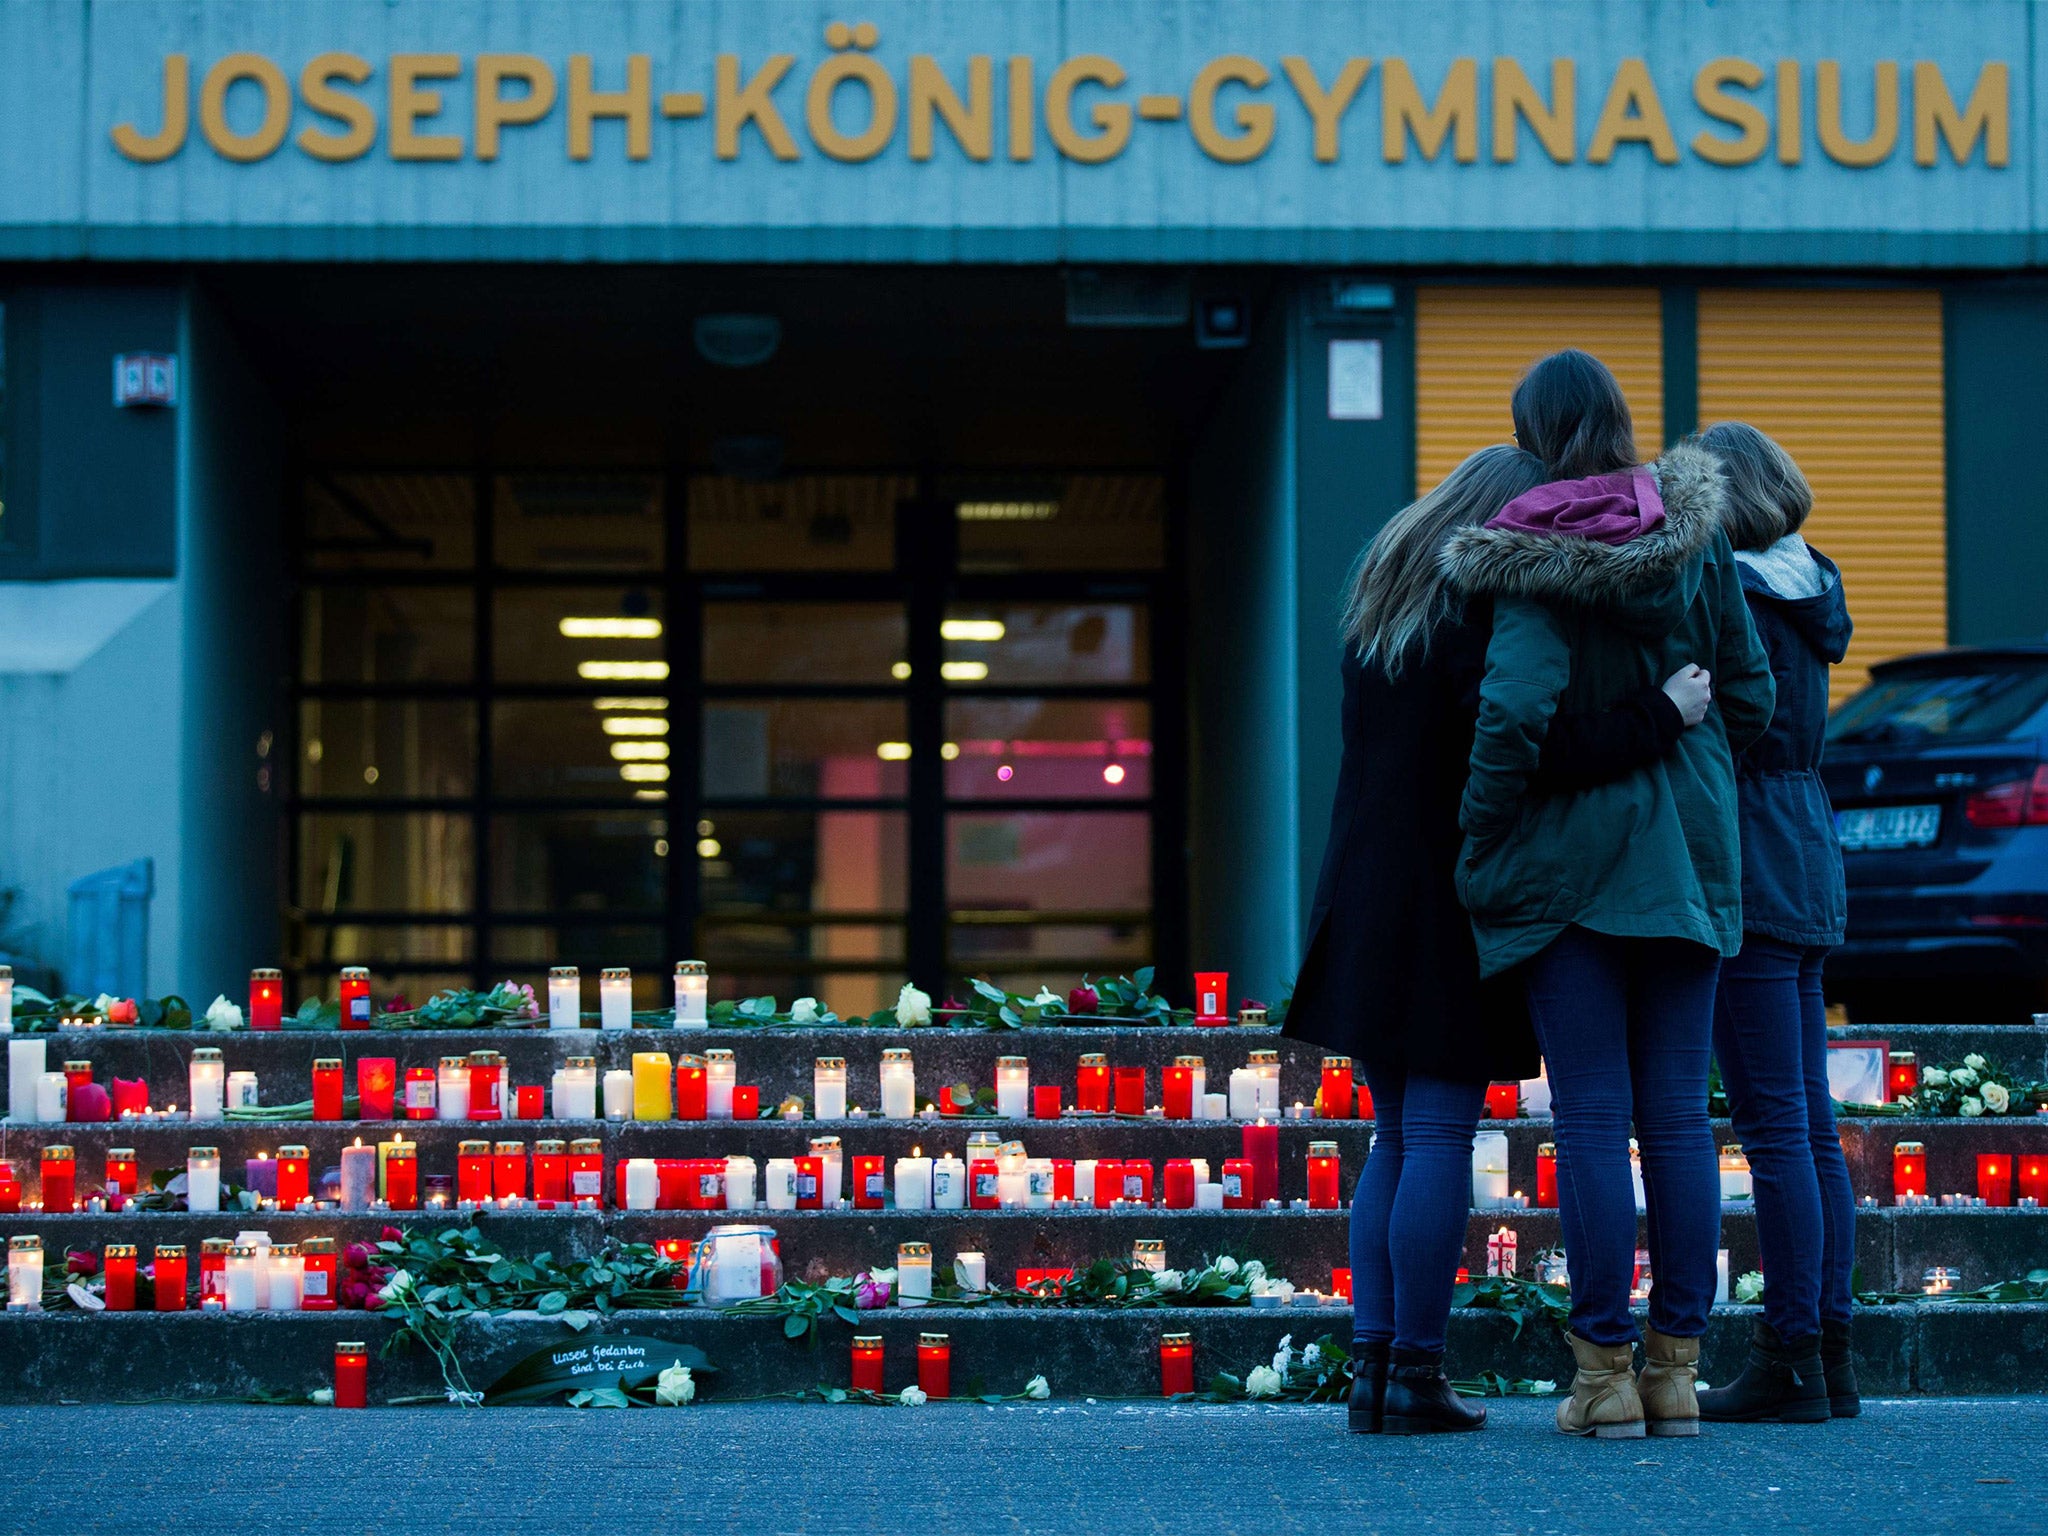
(89, 1101)
(356, 1255)
(868, 1293)
(390, 1235)
(374, 1303)
(1083, 999)
(76, 1263)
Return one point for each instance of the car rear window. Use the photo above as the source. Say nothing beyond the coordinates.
(1977, 705)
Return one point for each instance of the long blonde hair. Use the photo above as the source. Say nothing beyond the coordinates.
(1396, 594)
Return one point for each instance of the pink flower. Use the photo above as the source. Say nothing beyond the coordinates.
(373, 1303)
(354, 1293)
(1083, 999)
(356, 1255)
(390, 1235)
(397, 1004)
(869, 1293)
(76, 1263)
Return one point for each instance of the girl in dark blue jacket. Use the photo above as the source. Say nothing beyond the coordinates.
(1770, 1026)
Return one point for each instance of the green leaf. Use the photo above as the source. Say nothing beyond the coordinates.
(499, 1272)
(1143, 978)
(846, 1314)
(795, 1326)
(990, 990)
(551, 1303)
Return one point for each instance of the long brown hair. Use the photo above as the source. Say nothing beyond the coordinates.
(1396, 594)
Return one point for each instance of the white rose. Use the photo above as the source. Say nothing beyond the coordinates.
(913, 1007)
(1168, 1280)
(911, 1397)
(1226, 1266)
(1542, 1388)
(1283, 1356)
(673, 1387)
(1934, 1077)
(323, 1397)
(1964, 1077)
(1996, 1099)
(399, 1283)
(224, 1015)
(1262, 1381)
(1749, 1287)
(1037, 1388)
(1975, 1062)
(1046, 995)
(1254, 1272)
(804, 1011)
(1970, 1108)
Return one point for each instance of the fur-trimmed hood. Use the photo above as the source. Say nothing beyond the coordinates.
(1646, 583)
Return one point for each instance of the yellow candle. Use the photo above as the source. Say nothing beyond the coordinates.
(651, 1090)
(383, 1157)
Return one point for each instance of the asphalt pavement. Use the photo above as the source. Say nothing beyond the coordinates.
(1919, 1466)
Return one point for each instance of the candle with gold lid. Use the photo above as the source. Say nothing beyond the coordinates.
(615, 997)
(565, 998)
(25, 1274)
(721, 1074)
(266, 998)
(692, 994)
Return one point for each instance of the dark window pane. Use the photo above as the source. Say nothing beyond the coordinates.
(528, 949)
(610, 636)
(390, 522)
(593, 522)
(805, 523)
(1042, 749)
(805, 643)
(796, 937)
(1047, 643)
(802, 861)
(391, 748)
(385, 947)
(1086, 522)
(835, 749)
(1049, 861)
(1061, 949)
(579, 861)
(387, 635)
(577, 748)
(385, 861)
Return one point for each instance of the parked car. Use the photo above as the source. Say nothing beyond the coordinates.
(1938, 771)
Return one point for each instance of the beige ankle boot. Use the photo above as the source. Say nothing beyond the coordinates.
(1604, 1402)
(1671, 1367)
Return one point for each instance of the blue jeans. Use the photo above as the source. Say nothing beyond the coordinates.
(1408, 1211)
(1771, 1038)
(1626, 1026)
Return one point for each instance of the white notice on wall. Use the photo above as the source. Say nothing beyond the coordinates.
(1355, 381)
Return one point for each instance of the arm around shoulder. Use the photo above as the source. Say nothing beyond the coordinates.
(1528, 663)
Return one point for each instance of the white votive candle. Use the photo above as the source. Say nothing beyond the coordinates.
(949, 1183)
(970, 1271)
(615, 998)
(828, 1087)
(565, 998)
(1208, 1197)
(207, 1083)
(451, 1088)
(241, 1090)
(1489, 1170)
(913, 1183)
(899, 1085)
(202, 1179)
(1213, 1106)
(1013, 1087)
(287, 1278)
(913, 1274)
(52, 1090)
(27, 1060)
(831, 1169)
(779, 1183)
(693, 991)
(618, 1095)
(1244, 1094)
(721, 1071)
(739, 1183)
(643, 1184)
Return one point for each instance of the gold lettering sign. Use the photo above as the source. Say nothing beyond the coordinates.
(853, 108)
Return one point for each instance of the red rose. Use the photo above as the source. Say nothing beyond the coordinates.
(1083, 999)
(390, 1235)
(76, 1263)
(354, 1293)
(374, 1303)
(356, 1255)
(397, 1004)
(123, 1011)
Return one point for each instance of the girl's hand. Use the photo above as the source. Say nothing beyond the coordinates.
(1692, 690)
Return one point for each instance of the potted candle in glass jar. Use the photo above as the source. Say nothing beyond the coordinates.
(24, 1274)
(167, 1277)
(202, 1179)
(60, 1179)
(693, 990)
(565, 998)
(913, 1274)
(828, 1088)
(1013, 1087)
(899, 1085)
(319, 1289)
(721, 1073)
(615, 997)
(206, 1080)
(451, 1088)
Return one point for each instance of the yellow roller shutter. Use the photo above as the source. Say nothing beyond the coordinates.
(1472, 346)
(1851, 384)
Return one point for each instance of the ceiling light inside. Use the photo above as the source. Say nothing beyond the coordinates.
(610, 629)
(987, 631)
(1007, 511)
(640, 751)
(617, 702)
(635, 725)
(644, 773)
(963, 671)
(623, 671)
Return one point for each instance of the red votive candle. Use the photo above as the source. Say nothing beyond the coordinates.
(10, 1190)
(746, 1101)
(486, 1085)
(674, 1183)
(421, 1093)
(120, 1271)
(1177, 1087)
(1130, 1090)
(508, 1170)
(1365, 1101)
(868, 1185)
(867, 1363)
(1109, 1183)
(1323, 1168)
(1178, 1184)
(984, 1186)
(1045, 1101)
(1212, 997)
(1902, 1076)
(1340, 1283)
(351, 1375)
(121, 1171)
(1176, 1364)
(213, 1269)
(1994, 1179)
(1503, 1100)
(376, 1087)
(326, 1088)
(1337, 1091)
(550, 1170)
(532, 1100)
(1909, 1169)
(1262, 1151)
(586, 1169)
(1063, 1178)
(473, 1171)
(1238, 1185)
(810, 1183)
(130, 1096)
(1091, 1084)
(355, 997)
(402, 1177)
(2033, 1177)
(1137, 1180)
(294, 1176)
(77, 1074)
(266, 998)
(690, 1088)
(710, 1184)
(60, 1179)
(1546, 1176)
(167, 1277)
(323, 1264)
(935, 1365)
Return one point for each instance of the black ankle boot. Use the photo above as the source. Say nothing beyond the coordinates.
(1838, 1365)
(1368, 1388)
(1419, 1397)
(1779, 1381)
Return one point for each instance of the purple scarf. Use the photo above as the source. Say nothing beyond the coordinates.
(1611, 508)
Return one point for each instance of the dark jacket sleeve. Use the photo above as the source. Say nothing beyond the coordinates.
(1582, 750)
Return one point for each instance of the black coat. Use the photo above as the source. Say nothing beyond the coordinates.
(1390, 975)
(1792, 887)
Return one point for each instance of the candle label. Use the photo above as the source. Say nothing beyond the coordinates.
(985, 1186)
(586, 1181)
(316, 1282)
(710, 1186)
(419, 1095)
(1233, 1186)
(1134, 1186)
(871, 1187)
(942, 1184)
(806, 1185)
(359, 1009)
(1040, 1182)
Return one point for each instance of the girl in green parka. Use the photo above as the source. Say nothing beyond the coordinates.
(1617, 901)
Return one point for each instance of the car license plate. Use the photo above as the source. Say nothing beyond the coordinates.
(1888, 826)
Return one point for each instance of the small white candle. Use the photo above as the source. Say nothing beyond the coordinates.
(1244, 1094)
(720, 1073)
(970, 1271)
(1489, 1170)
(828, 1087)
(643, 1185)
(1208, 1197)
(241, 1090)
(1038, 1184)
(780, 1182)
(25, 1272)
(207, 1080)
(739, 1183)
(913, 1183)
(1084, 1181)
(1011, 1176)
(287, 1278)
(565, 998)
(1013, 1087)
(27, 1060)
(949, 1183)
(202, 1179)
(899, 1085)
(615, 998)
(693, 990)
(831, 1170)
(52, 1090)
(618, 1095)
(913, 1274)
(451, 1088)
(1213, 1106)
(240, 1272)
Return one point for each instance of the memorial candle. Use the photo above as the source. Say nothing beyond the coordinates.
(1994, 1178)
(1062, 1178)
(828, 1088)
(867, 1362)
(1091, 1084)
(913, 1274)
(1262, 1151)
(451, 1088)
(359, 1176)
(202, 1179)
(1244, 1094)
(970, 1271)
(810, 1182)
(1909, 1169)
(949, 1183)
(831, 1170)
(130, 1097)
(1322, 1175)
(575, 1088)
(377, 1086)
(1489, 1170)
(1212, 997)
(1137, 1180)
(1503, 1100)
(693, 991)
(1736, 1182)
(327, 1088)
(239, 1288)
(259, 1175)
(551, 1170)
(24, 1274)
(618, 1093)
(25, 1063)
(740, 1174)
(1546, 1176)
(473, 1171)
(869, 1187)
(615, 997)
(213, 1268)
(651, 1096)
(351, 1375)
(746, 1101)
(1013, 1086)
(935, 1366)
(320, 1287)
(168, 1277)
(508, 1170)
(1179, 1184)
(51, 1094)
(1902, 1076)
(529, 1101)
(486, 1085)
(778, 1184)
(121, 1173)
(419, 1093)
(691, 1098)
(355, 997)
(1179, 1086)
(78, 1074)
(721, 1072)
(10, 1189)
(565, 998)
(266, 998)
(1038, 1184)
(206, 1079)
(2033, 1178)
(1240, 1185)
(1109, 1182)
(586, 1169)
(1045, 1101)
(1130, 1091)
(287, 1278)
(60, 1179)
(643, 1184)
(899, 1085)
(1149, 1253)
(1337, 1092)
(1265, 1068)
(6, 999)
(984, 1185)
(402, 1175)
